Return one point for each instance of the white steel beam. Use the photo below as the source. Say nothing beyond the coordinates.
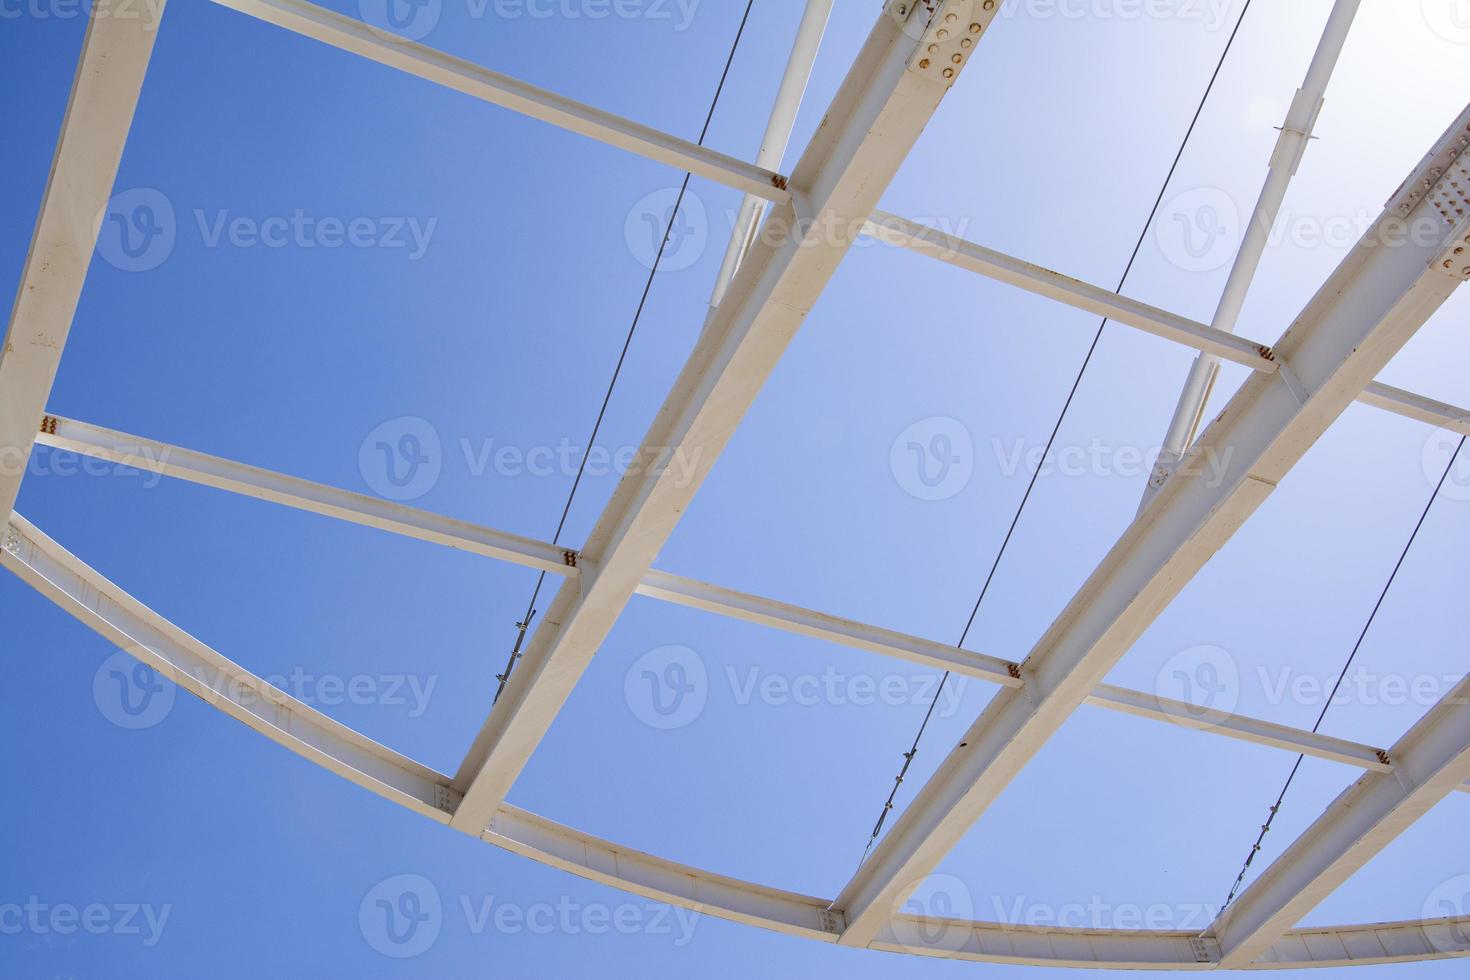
(1417, 407)
(99, 113)
(878, 113)
(420, 525)
(894, 230)
(315, 498)
(1291, 145)
(152, 639)
(119, 618)
(309, 20)
(1430, 763)
(961, 254)
(1242, 727)
(1366, 311)
(778, 134)
(1124, 949)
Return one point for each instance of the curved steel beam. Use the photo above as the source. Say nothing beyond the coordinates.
(101, 605)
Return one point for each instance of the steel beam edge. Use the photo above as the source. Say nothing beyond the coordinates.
(378, 45)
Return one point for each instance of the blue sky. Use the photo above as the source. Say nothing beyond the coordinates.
(498, 326)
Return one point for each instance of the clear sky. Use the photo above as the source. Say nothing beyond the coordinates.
(482, 306)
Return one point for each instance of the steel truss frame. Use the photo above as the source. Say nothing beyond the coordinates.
(1365, 312)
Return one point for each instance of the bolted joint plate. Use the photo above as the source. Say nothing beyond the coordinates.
(1450, 200)
(1439, 188)
(446, 798)
(1206, 949)
(948, 31)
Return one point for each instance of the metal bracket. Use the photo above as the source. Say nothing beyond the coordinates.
(947, 30)
(48, 424)
(1206, 949)
(1433, 171)
(446, 799)
(12, 539)
(1301, 119)
(832, 920)
(1450, 197)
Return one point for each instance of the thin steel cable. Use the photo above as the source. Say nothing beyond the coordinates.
(525, 623)
(908, 756)
(1281, 797)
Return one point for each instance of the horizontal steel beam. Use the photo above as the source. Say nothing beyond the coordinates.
(1240, 727)
(894, 230)
(935, 244)
(348, 34)
(1417, 407)
(844, 632)
(185, 464)
(99, 113)
(315, 498)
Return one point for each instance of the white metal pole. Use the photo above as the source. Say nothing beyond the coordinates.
(1296, 131)
(778, 134)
